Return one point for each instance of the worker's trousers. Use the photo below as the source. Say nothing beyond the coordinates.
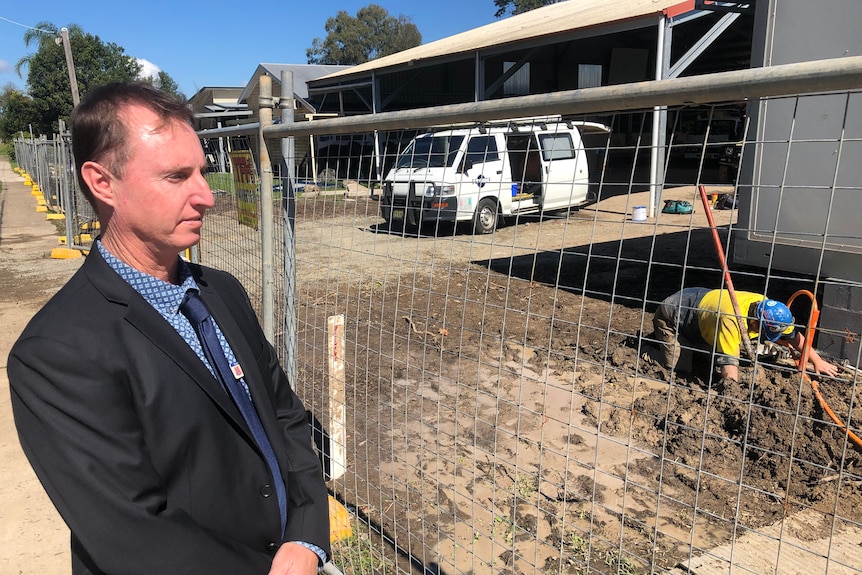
(666, 328)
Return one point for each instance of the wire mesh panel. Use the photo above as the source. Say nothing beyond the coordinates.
(232, 240)
(496, 383)
(52, 167)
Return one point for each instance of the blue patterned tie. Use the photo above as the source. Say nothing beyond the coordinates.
(202, 322)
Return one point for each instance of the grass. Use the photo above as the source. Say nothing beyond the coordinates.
(357, 555)
(223, 182)
(581, 552)
(220, 181)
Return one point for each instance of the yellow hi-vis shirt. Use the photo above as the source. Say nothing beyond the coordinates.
(718, 323)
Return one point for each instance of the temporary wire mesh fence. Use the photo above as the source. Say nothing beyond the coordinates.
(52, 168)
(504, 405)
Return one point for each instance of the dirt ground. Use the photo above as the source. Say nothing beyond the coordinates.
(33, 538)
(501, 416)
(504, 418)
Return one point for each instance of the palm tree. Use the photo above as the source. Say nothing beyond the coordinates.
(41, 33)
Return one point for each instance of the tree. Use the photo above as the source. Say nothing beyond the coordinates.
(519, 6)
(164, 82)
(371, 34)
(96, 63)
(17, 112)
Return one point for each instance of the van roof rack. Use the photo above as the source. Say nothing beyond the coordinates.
(523, 121)
(514, 123)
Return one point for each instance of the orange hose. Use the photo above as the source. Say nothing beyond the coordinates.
(802, 363)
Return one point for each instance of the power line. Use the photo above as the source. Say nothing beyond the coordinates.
(29, 27)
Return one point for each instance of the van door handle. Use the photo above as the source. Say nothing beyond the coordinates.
(499, 172)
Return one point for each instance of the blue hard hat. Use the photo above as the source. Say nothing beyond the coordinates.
(774, 318)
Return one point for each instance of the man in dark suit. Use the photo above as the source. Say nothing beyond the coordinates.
(146, 397)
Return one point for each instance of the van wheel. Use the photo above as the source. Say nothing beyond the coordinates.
(485, 218)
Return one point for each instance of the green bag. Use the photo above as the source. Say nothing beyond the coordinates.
(677, 207)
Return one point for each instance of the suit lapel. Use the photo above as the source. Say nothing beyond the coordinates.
(152, 325)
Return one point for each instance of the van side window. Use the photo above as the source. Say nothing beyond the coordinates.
(481, 149)
(556, 147)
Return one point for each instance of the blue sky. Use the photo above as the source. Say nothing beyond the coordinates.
(216, 43)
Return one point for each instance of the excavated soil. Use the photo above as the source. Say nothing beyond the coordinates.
(503, 414)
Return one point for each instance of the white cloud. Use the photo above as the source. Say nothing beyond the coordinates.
(5, 66)
(148, 69)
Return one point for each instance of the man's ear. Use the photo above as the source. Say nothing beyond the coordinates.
(99, 180)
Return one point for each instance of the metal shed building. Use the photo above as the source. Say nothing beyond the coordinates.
(563, 46)
(790, 224)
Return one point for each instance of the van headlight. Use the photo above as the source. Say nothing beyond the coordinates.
(442, 190)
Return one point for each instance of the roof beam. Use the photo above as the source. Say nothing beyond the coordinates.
(705, 42)
(717, 6)
(229, 114)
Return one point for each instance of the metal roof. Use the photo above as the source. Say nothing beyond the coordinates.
(302, 74)
(559, 18)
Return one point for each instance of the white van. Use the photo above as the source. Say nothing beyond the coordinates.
(480, 173)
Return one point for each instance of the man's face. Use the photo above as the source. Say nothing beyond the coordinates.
(159, 202)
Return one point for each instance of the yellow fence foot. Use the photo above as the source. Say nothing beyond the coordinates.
(65, 254)
(339, 521)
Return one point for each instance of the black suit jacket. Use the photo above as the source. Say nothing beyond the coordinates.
(144, 454)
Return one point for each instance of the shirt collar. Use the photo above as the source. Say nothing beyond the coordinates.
(162, 295)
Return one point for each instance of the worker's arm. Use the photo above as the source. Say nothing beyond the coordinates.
(729, 371)
(727, 342)
(821, 366)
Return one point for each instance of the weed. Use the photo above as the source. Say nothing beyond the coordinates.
(506, 526)
(580, 547)
(527, 485)
(619, 564)
(357, 555)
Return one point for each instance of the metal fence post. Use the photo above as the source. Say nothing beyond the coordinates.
(66, 187)
(288, 182)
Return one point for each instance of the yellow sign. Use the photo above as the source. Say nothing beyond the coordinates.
(246, 184)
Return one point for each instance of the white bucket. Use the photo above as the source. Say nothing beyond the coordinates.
(639, 214)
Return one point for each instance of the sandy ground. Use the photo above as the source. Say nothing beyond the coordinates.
(33, 538)
(533, 435)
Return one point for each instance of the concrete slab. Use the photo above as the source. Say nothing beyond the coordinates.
(786, 548)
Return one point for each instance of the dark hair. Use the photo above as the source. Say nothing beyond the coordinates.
(99, 131)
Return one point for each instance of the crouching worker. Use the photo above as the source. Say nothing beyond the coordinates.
(704, 318)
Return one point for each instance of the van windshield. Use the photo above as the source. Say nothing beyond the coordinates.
(430, 152)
